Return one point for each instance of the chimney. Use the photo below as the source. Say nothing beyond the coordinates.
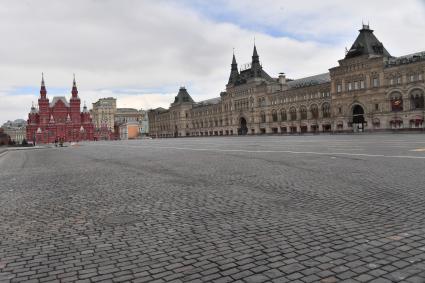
(282, 78)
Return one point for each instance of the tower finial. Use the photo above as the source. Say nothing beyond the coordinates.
(74, 88)
(255, 54)
(43, 91)
(365, 26)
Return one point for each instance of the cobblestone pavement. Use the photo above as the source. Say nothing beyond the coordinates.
(244, 209)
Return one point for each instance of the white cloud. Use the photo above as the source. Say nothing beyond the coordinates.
(153, 47)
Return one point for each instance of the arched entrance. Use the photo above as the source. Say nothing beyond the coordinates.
(176, 132)
(243, 129)
(358, 118)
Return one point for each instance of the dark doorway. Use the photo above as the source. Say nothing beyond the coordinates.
(243, 130)
(358, 118)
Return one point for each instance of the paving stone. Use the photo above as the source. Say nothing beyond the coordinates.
(125, 213)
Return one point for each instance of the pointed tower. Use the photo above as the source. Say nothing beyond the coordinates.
(366, 43)
(85, 115)
(74, 91)
(43, 103)
(75, 104)
(32, 116)
(234, 72)
(43, 91)
(255, 64)
(255, 57)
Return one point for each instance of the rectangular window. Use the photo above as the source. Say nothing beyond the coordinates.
(339, 110)
(412, 78)
(338, 88)
(391, 81)
(398, 80)
(376, 107)
(375, 82)
(362, 84)
(350, 86)
(356, 85)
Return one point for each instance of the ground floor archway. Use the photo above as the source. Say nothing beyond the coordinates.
(243, 129)
(358, 118)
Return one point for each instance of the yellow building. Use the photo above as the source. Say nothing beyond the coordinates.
(129, 130)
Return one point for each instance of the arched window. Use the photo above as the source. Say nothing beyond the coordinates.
(283, 115)
(274, 115)
(303, 112)
(263, 117)
(314, 111)
(293, 113)
(396, 102)
(326, 110)
(417, 99)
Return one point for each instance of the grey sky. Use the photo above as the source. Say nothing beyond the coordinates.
(142, 51)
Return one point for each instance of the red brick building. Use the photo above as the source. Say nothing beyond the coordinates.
(59, 119)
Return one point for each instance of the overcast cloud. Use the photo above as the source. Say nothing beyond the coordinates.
(142, 51)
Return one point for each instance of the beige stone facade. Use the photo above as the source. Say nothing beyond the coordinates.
(369, 90)
(16, 130)
(123, 115)
(103, 113)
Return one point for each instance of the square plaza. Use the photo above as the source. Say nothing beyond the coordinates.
(326, 208)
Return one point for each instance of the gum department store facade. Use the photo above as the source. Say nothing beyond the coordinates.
(370, 90)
